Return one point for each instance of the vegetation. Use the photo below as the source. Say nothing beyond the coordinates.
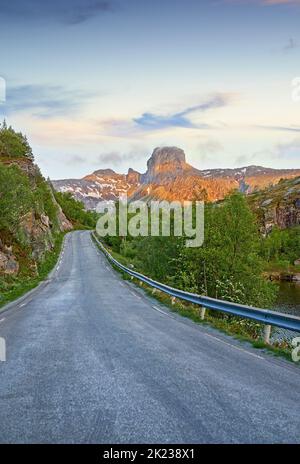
(228, 266)
(281, 248)
(16, 197)
(75, 212)
(30, 275)
(13, 144)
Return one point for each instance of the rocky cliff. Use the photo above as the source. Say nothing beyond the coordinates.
(277, 205)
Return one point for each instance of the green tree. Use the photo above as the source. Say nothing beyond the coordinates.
(16, 197)
(14, 144)
(227, 266)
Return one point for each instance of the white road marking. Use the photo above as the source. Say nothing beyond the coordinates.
(134, 294)
(163, 312)
(216, 338)
(22, 305)
(2, 320)
(234, 346)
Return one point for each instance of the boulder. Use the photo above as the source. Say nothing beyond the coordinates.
(8, 264)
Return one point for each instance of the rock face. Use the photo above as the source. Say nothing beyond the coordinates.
(35, 232)
(278, 205)
(8, 262)
(165, 164)
(170, 177)
(64, 223)
(133, 177)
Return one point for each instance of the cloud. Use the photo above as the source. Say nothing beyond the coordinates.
(208, 149)
(150, 121)
(64, 11)
(109, 158)
(43, 101)
(279, 128)
(115, 158)
(289, 150)
(75, 159)
(283, 152)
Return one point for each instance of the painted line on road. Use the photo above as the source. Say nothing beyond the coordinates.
(234, 346)
(163, 312)
(215, 338)
(2, 320)
(22, 305)
(134, 294)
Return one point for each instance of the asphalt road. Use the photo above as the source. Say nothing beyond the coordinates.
(90, 359)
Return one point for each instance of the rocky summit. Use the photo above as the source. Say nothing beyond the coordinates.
(170, 177)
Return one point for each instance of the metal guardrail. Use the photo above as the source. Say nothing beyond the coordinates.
(265, 316)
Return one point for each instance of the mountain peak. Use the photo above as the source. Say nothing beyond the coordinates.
(133, 177)
(104, 172)
(163, 155)
(165, 163)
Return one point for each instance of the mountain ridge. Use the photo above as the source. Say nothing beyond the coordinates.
(170, 177)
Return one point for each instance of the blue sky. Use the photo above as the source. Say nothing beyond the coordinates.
(100, 84)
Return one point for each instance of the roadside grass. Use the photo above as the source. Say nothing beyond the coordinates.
(238, 328)
(12, 288)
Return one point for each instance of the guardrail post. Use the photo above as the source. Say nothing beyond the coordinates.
(202, 312)
(267, 334)
(2, 350)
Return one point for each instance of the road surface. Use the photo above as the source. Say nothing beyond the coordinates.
(91, 359)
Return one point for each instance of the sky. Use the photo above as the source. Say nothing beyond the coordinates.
(101, 83)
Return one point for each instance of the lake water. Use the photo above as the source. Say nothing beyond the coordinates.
(289, 298)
